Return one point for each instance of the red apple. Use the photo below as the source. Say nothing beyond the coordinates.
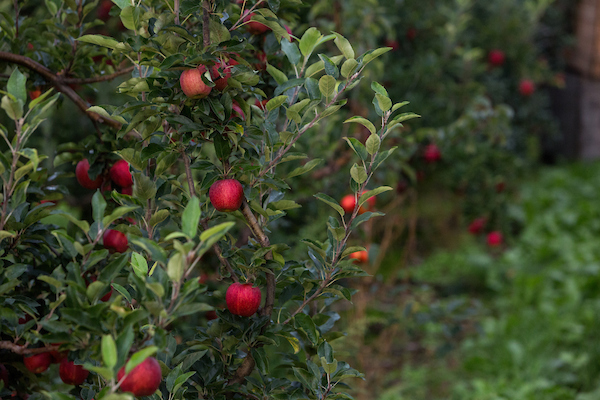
(477, 225)
(192, 84)
(119, 173)
(348, 204)
(394, 44)
(210, 315)
(242, 299)
(255, 27)
(526, 87)
(496, 57)
(30, 46)
(34, 94)
(115, 241)
(81, 172)
(127, 190)
(261, 65)
(494, 238)
(4, 375)
(226, 195)
(25, 319)
(360, 257)
(37, 363)
(104, 9)
(143, 380)
(432, 153)
(72, 374)
(221, 72)
(58, 356)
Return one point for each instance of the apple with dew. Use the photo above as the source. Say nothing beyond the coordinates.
(360, 257)
(495, 238)
(255, 27)
(432, 153)
(242, 299)
(81, 173)
(37, 363)
(115, 241)
(119, 173)
(526, 87)
(477, 225)
(226, 195)
(496, 57)
(143, 380)
(192, 84)
(72, 374)
(221, 72)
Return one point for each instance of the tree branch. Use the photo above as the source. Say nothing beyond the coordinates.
(205, 23)
(59, 83)
(23, 350)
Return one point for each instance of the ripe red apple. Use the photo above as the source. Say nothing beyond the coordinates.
(432, 153)
(143, 380)
(127, 190)
(255, 27)
(242, 299)
(104, 9)
(192, 84)
(115, 241)
(34, 94)
(496, 57)
(25, 319)
(360, 257)
(494, 238)
(72, 374)
(58, 356)
(210, 315)
(37, 363)
(119, 173)
(81, 172)
(348, 204)
(221, 72)
(477, 225)
(526, 87)
(226, 195)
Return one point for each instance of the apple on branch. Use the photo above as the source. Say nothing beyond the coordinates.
(37, 363)
(81, 173)
(115, 241)
(72, 374)
(143, 380)
(242, 299)
(226, 195)
(192, 84)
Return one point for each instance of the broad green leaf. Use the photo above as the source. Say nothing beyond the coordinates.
(276, 102)
(309, 41)
(405, 116)
(94, 289)
(327, 85)
(312, 88)
(305, 168)
(291, 51)
(378, 88)
(118, 213)
(191, 218)
(381, 157)
(98, 206)
(384, 102)
(364, 122)
(305, 322)
(358, 148)
(284, 205)
(159, 216)
(16, 85)
(175, 267)
(106, 373)
(109, 351)
(349, 67)
(352, 249)
(364, 217)
(99, 40)
(279, 76)
(358, 173)
(344, 45)
(51, 281)
(13, 107)
(398, 105)
(218, 32)
(314, 68)
(373, 54)
(330, 66)
(130, 17)
(140, 265)
(372, 144)
(367, 195)
(216, 231)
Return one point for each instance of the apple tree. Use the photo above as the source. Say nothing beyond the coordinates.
(170, 281)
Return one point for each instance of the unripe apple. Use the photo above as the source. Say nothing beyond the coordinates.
(221, 72)
(192, 84)
(477, 225)
(242, 299)
(143, 380)
(37, 363)
(255, 27)
(72, 374)
(119, 173)
(432, 153)
(81, 172)
(115, 241)
(526, 87)
(496, 57)
(494, 238)
(226, 195)
(360, 257)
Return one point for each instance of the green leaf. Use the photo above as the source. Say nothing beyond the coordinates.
(330, 201)
(216, 231)
(139, 357)
(358, 173)
(279, 76)
(384, 102)
(276, 102)
(365, 217)
(358, 148)
(314, 68)
(104, 372)
(118, 213)
(140, 265)
(373, 54)
(144, 188)
(99, 40)
(398, 105)
(305, 168)
(98, 206)
(284, 205)
(175, 267)
(191, 218)
(291, 51)
(312, 88)
(13, 107)
(330, 67)
(364, 122)
(16, 85)
(327, 85)
(305, 322)
(159, 216)
(367, 195)
(348, 67)
(218, 32)
(381, 157)
(309, 41)
(344, 45)
(405, 116)
(352, 249)
(51, 281)
(372, 144)
(130, 17)
(122, 291)
(109, 351)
